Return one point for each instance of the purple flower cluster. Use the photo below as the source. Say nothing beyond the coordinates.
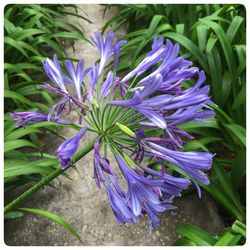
(150, 98)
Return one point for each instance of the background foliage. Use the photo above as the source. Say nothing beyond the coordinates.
(32, 33)
(213, 36)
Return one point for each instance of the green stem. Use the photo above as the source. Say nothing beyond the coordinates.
(48, 178)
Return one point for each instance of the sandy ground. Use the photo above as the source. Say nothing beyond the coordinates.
(86, 207)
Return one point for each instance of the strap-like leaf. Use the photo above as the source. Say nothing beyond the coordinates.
(55, 218)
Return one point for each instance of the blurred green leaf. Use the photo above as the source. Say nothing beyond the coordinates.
(238, 131)
(13, 214)
(10, 145)
(195, 234)
(239, 227)
(53, 217)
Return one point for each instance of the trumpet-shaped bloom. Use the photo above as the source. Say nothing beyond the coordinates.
(141, 190)
(53, 71)
(107, 84)
(116, 195)
(68, 148)
(93, 81)
(107, 48)
(192, 163)
(28, 117)
(77, 75)
(102, 163)
(171, 186)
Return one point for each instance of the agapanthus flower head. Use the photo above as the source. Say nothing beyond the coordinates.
(137, 118)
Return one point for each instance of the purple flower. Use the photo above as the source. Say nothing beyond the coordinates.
(173, 68)
(192, 163)
(111, 83)
(106, 48)
(144, 193)
(190, 97)
(189, 102)
(107, 84)
(77, 75)
(28, 117)
(60, 107)
(116, 195)
(122, 86)
(68, 148)
(150, 60)
(137, 102)
(153, 213)
(141, 190)
(155, 104)
(53, 71)
(172, 186)
(93, 81)
(119, 205)
(102, 163)
(193, 113)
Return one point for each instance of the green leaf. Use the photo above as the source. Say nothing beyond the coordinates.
(240, 98)
(226, 87)
(202, 32)
(192, 125)
(163, 27)
(6, 82)
(33, 21)
(211, 43)
(222, 189)
(214, 62)
(228, 52)
(76, 15)
(201, 144)
(180, 28)
(153, 25)
(9, 26)
(239, 227)
(184, 242)
(25, 169)
(28, 47)
(13, 214)
(239, 167)
(238, 131)
(222, 116)
(16, 45)
(10, 145)
(234, 27)
(18, 97)
(25, 33)
(49, 42)
(57, 219)
(68, 35)
(228, 239)
(197, 235)
(21, 132)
